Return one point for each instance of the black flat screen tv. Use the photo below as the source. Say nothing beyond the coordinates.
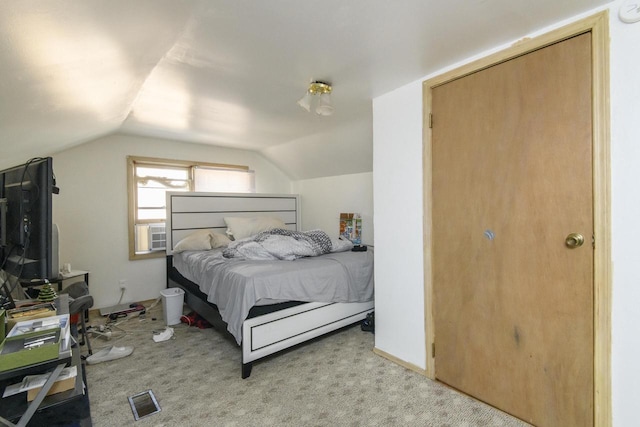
(28, 250)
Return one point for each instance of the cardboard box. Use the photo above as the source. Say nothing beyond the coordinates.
(29, 312)
(29, 349)
(57, 387)
(61, 321)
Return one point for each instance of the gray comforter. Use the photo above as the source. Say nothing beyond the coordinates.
(284, 244)
(237, 284)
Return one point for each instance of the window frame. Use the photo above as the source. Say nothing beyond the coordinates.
(132, 194)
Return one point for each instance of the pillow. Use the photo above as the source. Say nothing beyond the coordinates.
(219, 240)
(239, 228)
(197, 241)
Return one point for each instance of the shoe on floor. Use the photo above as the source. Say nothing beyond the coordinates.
(109, 353)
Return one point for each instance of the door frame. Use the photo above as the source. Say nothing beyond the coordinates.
(598, 25)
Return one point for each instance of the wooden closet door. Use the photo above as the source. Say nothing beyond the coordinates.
(512, 178)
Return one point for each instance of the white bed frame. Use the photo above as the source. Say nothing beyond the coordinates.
(273, 332)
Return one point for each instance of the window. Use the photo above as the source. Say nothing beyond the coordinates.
(149, 179)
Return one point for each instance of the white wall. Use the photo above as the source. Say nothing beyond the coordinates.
(91, 209)
(398, 202)
(397, 144)
(323, 199)
(625, 176)
(346, 148)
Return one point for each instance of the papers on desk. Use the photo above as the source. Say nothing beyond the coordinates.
(37, 381)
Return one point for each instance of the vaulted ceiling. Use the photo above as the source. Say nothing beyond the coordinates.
(229, 73)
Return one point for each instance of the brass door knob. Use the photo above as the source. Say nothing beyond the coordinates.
(574, 240)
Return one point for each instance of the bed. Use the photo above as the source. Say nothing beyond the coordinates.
(264, 306)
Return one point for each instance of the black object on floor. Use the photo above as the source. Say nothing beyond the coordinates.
(369, 324)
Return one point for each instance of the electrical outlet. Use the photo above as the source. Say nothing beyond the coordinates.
(123, 284)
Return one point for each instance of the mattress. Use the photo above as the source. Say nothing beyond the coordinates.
(236, 285)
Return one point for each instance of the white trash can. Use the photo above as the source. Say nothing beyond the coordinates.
(172, 301)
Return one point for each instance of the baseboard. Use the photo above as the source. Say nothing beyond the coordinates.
(400, 362)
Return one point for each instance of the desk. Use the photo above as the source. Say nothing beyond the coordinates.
(59, 280)
(71, 275)
(16, 406)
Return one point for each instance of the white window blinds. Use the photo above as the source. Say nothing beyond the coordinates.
(224, 180)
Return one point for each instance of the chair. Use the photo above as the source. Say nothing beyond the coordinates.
(79, 301)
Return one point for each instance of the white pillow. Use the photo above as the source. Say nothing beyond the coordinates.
(239, 228)
(219, 240)
(197, 241)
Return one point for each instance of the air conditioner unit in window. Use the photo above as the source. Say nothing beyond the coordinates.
(157, 237)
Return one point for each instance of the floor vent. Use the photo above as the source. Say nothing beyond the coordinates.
(144, 404)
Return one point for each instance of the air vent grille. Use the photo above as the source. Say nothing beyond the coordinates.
(157, 237)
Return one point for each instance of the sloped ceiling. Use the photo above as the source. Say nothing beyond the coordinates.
(229, 73)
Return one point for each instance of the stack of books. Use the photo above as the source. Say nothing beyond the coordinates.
(351, 227)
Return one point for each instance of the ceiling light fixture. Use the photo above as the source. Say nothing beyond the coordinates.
(322, 102)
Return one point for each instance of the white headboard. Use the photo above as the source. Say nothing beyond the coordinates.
(188, 212)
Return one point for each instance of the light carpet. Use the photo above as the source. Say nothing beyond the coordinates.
(333, 381)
